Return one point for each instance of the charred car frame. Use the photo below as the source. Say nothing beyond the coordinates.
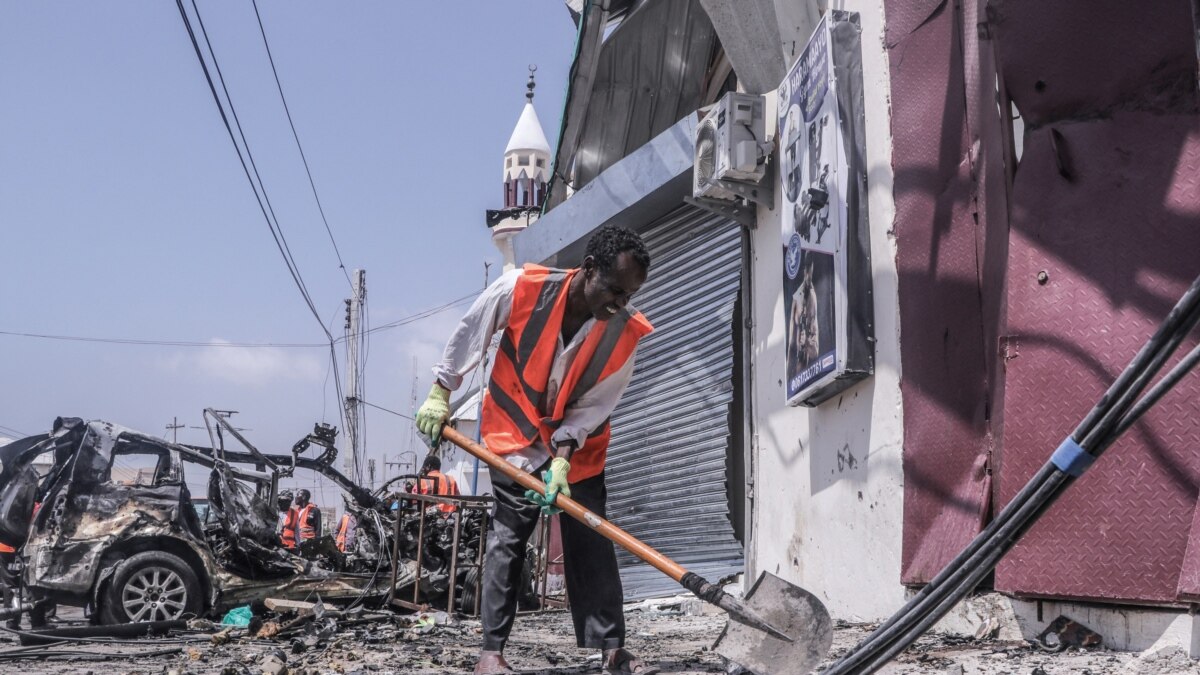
(133, 547)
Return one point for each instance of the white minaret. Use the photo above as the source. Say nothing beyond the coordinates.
(526, 170)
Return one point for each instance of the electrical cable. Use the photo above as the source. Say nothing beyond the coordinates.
(10, 430)
(1113, 414)
(299, 147)
(386, 410)
(88, 656)
(271, 220)
(262, 199)
(165, 343)
(412, 318)
(424, 314)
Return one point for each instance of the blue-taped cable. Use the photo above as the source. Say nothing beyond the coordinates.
(1071, 458)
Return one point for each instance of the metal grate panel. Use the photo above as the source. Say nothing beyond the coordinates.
(674, 418)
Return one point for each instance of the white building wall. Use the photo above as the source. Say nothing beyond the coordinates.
(827, 494)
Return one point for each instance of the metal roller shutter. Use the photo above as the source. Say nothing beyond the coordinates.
(675, 415)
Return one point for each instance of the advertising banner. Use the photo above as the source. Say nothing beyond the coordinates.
(816, 169)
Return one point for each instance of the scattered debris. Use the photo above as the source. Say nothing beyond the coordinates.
(137, 548)
(1063, 633)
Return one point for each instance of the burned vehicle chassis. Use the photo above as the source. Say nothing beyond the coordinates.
(91, 532)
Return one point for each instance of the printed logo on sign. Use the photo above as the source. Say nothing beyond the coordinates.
(827, 362)
(791, 261)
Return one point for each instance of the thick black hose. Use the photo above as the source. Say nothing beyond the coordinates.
(862, 650)
(1111, 416)
(1152, 397)
(1104, 429)
(1182, 309)
(991, 556)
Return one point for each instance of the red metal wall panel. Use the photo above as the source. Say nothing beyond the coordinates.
(1105, 203)
(1119, 244)
(945, 155)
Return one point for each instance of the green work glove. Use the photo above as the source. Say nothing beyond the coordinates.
(433, 413)
(556, 483)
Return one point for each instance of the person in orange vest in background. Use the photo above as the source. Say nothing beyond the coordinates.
(433, 482)
(346, 528)
(288, 517)
(566, 354)
(308, 517)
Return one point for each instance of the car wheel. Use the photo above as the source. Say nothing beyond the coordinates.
(151, 586)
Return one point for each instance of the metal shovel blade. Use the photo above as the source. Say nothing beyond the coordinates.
(789, 608)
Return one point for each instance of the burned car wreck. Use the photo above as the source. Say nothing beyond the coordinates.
(130, 545)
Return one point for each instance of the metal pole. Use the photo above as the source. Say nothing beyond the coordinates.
(479, 562)
(420, 550)
(544, 560)
(395, 556)
(482, 386)
(353, 340)
(454, 562)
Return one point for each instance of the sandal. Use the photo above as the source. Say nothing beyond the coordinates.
(622, 662)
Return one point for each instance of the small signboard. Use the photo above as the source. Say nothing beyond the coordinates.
(825, 236)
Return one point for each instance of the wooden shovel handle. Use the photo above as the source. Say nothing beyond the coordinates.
(571, 507)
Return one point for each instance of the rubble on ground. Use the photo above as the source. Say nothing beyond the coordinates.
(674, 633)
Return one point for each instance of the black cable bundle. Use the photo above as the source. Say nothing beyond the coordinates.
(1111, 417)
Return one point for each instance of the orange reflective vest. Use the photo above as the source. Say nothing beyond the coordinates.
(287, 534)
(303, 520)
(438, 483)
(342, 532)
(514, 407)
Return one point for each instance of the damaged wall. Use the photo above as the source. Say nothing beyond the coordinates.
(1105, 204)
(951, 242)
(827, 485)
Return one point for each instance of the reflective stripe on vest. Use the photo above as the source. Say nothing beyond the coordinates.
(513, 416)
(307, 531)
(287, 533)
(343, 527)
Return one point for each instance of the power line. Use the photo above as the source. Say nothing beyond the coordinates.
(272, 224)
(412, 318)
(164, 343)
(424, 314)
(299, 147)
(385, 409)
(271, 220)
(10, 430)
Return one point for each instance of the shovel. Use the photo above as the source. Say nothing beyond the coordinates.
(779, 628)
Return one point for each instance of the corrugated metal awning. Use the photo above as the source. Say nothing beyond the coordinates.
(671, 432)
(647, 75)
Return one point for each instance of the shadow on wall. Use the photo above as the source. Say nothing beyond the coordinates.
(839, 433)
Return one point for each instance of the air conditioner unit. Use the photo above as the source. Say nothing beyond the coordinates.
(729, 146)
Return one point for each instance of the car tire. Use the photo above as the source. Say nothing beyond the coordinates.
(151, 586)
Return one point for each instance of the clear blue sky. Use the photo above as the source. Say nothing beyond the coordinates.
(124, 211)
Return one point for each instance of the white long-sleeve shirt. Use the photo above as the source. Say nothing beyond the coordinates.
(488, 315)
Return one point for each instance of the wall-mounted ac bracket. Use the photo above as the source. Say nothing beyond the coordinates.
(762, 192)
(743, 213)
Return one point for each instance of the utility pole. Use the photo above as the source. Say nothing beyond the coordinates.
(371, 473)
(354, 338)
(483, 363)
(174, 428)
(412, 428)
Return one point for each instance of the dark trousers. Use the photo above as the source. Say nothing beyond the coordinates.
(590, 566)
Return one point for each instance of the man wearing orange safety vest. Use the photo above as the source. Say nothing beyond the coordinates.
(344, 536)
(308, 517)
(566, 354)
(301, 522)
(434, 482)
(287, 519)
